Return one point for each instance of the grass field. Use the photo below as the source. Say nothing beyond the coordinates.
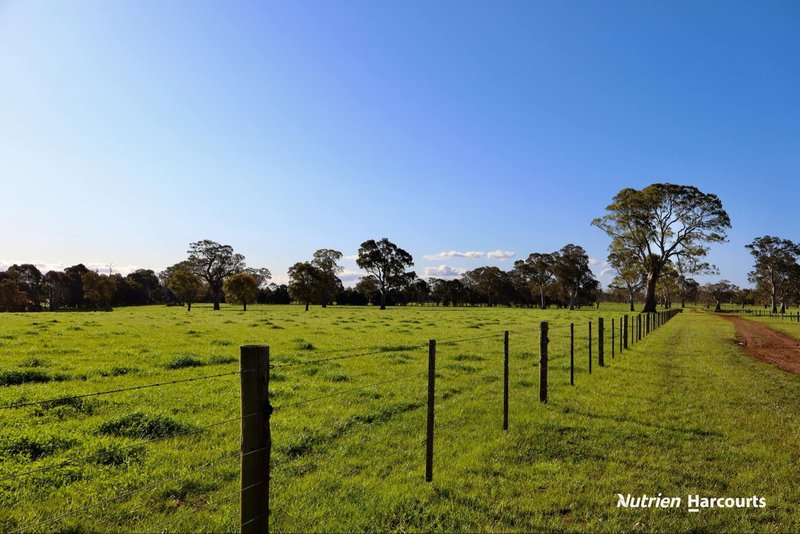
(683, 412)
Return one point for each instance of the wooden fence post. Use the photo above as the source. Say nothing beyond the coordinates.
(543, 340)
(647, 324)
(600, 347)
(590, 347)
(505, 381)
(625, 337)
(613, 329)
(431, 399)
(256, 440)
(572, 354)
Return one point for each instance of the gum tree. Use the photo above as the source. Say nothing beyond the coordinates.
(776, 268)
(386, 262)
(660, 223)
(214, 263)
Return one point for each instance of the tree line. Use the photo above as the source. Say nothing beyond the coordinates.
(660, 236)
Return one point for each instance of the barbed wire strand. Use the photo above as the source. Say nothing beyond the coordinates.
(119, 390)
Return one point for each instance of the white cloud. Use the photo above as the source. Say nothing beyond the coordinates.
(501, 254)
(352, 257)
(496, 254)
(351, 276)
(443, 271)
(595, 261)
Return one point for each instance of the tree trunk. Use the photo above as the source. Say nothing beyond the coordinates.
(541, 296)
(783, 307)
(216, 302)
(719, 307)
(650, 295)
(188, 306)
(306, 305)
(383, 300)
(631, 301)
(774, 303)
(244, 306)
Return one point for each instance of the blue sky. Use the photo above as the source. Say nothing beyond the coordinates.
(129, 129)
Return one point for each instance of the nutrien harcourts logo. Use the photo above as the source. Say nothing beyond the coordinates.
(694, 503)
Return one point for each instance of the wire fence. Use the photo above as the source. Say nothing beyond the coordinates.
(567, 349)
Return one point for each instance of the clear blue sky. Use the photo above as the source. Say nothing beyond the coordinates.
(129, 129)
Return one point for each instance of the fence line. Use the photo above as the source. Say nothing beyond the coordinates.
(260, 419)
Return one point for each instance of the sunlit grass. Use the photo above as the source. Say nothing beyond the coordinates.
(683, 411)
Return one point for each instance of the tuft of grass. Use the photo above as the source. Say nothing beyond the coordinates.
(184, 360)
(15, 378)
(34, 362)
(117, 455)
(119, 371)
(141, 425)
(34, 448)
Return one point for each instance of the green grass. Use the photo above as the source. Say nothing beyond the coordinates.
(684, 411)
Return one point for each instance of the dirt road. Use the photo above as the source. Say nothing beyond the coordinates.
(765, 344)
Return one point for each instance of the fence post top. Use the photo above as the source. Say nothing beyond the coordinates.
(253, 347)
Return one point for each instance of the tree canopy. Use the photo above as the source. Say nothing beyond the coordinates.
(386, 262)
(776, 271)
(214, 263)
(661, 222)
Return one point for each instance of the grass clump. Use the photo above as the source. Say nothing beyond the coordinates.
(34, 362)
(34, 448)
(68, 406)
(141, 425)
(118, 371)
(15, 378)
(182, 361)
(116, 455)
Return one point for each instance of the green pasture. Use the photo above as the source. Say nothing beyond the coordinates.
(683, 411)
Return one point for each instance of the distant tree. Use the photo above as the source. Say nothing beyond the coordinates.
(660, 222)
(277, 294)
(326, 261)
(262, 276)
(630, 275)
(368, 287)
(12, 298)
(491, 284)
(145, 287)
(29, 279)
(304, 282)
(54, 284)
(385, 261)
(241, 288)
(73, 287)
(98, 290)
(214, 263)
(537, 271)
(185, 284)
(776, 269)
(573, 276)
(719, 292)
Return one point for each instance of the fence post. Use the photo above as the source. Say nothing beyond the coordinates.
(431, 399)
(639, 327)
(600, 333)
(543, 340)
(625, 337)
(256, 439)
(590, 347)
(613, 329)
(647, 325)
(505, 381)
(571, 354)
